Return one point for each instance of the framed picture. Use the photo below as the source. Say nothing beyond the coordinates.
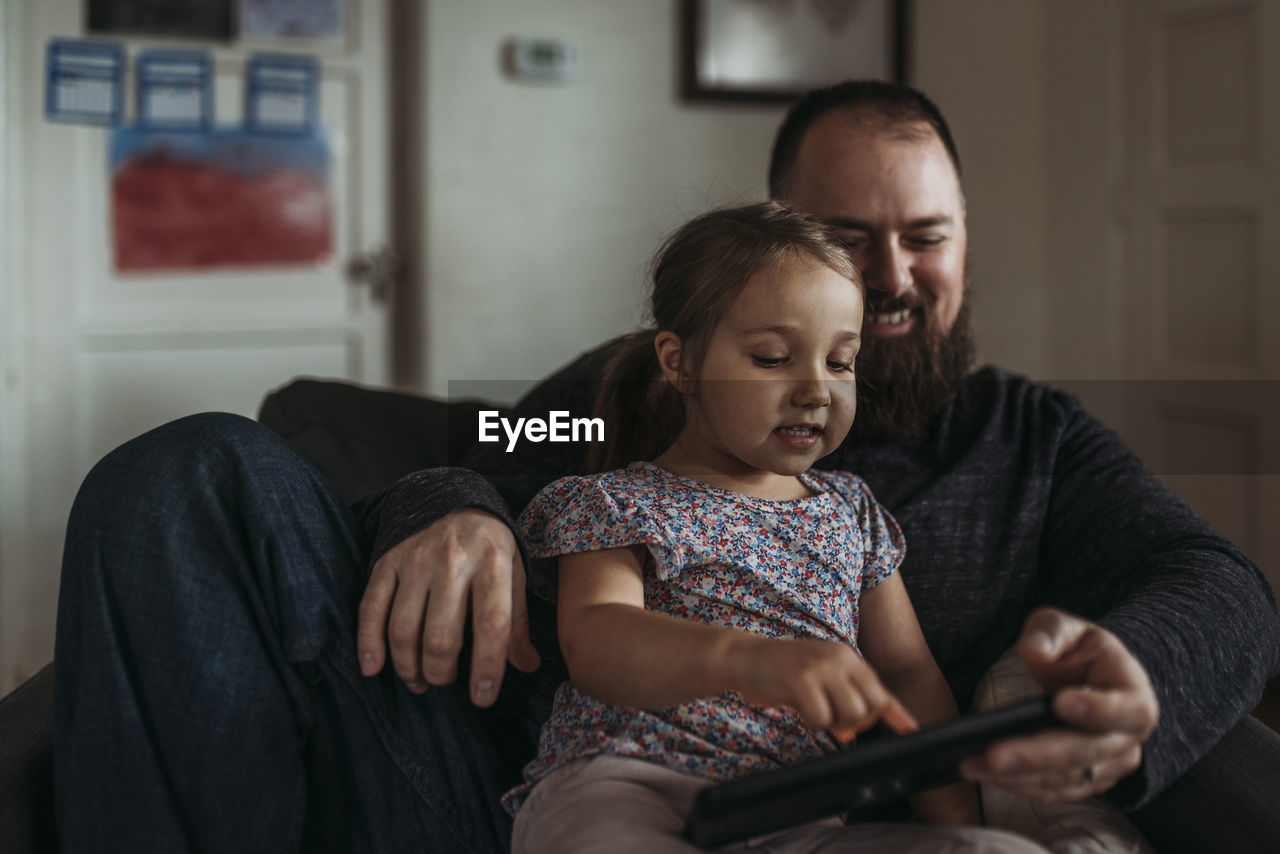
(196, 19)
(776, 50)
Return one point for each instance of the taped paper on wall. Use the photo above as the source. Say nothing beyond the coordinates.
(84, 82)
(175, 89)
(217, 199)
(282, 93)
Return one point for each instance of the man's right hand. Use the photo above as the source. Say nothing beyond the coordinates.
(417, 599)
(1100, 688)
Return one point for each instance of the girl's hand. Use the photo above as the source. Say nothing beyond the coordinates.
(828, 683)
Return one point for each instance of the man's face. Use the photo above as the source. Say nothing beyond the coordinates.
(896, 203)
(894, 198)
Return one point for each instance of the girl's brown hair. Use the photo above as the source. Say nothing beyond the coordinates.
(696, 274)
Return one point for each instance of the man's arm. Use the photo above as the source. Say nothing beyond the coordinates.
(444, 540)
(1178, 624)
(520, 473)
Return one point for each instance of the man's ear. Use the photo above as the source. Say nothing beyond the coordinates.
(670, 349)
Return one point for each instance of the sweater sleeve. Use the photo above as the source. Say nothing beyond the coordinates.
(519, 473)
(1193, 608)
(489, 477)
(416, 501)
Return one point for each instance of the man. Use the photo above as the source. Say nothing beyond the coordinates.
(1010, 496)
(878, 163)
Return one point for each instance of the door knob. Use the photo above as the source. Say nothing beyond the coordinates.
(378, 269)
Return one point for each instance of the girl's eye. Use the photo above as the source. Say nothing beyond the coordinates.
(840, 367)
(768, 361)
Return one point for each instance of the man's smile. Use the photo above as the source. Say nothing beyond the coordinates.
(890, 324)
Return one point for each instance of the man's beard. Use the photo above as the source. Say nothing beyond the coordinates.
(903, 383)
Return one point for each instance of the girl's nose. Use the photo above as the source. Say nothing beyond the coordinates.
(811, 393)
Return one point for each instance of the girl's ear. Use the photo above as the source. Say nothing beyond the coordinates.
(670, 348)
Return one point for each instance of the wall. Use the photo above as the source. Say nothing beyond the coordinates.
(1084, 145)
(545, 202)
(982, 61)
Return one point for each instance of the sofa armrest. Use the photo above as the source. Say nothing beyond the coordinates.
(1226, 802)
(26, 767)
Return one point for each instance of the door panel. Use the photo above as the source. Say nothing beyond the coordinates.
(118, 376)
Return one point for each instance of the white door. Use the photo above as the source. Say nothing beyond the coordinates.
(1165, 175)
(1165, 179)
(1200, 207)
(106, 355)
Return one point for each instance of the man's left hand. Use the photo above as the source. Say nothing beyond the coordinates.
(1099, 689)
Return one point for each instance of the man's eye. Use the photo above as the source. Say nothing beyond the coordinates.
(928, 240)
(768, 361)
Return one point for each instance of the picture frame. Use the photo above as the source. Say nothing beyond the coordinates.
(208, 20)
(773, 51)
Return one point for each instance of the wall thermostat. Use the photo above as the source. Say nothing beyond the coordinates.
(550, 60)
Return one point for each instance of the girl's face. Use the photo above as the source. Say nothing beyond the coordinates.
(775, 391)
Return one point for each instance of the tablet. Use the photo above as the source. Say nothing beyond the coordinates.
(864, 775)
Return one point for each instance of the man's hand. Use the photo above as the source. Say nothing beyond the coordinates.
(417, 600)
(1100, 689)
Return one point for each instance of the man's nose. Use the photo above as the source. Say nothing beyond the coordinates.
(888, 270)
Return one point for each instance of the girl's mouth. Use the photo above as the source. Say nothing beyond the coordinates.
(800, 437)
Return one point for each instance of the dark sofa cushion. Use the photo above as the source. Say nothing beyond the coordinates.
(363, 439)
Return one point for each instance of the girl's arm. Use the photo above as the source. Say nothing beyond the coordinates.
(622, 654)
(618, 652)
(890, 639)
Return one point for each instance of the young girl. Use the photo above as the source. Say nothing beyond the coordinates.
(724, 609)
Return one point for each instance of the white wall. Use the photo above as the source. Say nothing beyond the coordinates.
(545, 202)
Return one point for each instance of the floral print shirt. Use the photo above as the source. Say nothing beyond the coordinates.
(782, 569)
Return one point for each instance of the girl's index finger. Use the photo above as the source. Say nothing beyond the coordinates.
(897, 718)
(894, 715)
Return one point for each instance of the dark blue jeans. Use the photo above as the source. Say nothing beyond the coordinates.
(207, 692)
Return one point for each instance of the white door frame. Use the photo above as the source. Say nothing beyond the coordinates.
(13, 473)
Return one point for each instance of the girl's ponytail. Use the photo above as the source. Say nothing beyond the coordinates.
(643, 413)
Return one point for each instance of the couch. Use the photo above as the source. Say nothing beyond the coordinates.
(362, 439)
